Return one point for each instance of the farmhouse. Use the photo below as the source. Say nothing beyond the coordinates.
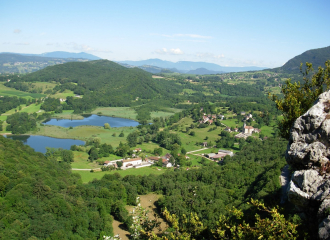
(153, 159)
(137, 150)
(225, 152)
(228, 129)
(248, 129)
(166, 163)
(210, 155)
(132, 162)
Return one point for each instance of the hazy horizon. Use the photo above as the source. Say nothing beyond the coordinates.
(227, 33)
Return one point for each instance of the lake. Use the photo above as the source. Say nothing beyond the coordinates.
(39, 143)
(93, 120)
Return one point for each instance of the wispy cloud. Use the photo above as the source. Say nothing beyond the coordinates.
(173, 51)
(17, 31)
(192, 36)
(22, 43)
(86, 48)
(5, 42)
(209, 55)
(185, 37)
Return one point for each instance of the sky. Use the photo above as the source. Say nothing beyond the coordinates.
(229, 33)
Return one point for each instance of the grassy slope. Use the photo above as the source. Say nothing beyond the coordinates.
(5, 91)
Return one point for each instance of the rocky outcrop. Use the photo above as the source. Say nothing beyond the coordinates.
(308, 154)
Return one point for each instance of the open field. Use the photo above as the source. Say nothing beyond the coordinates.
(68, 114)
(123, 112)
(188, 141)
(29, 109)
(87, 176)
(85, 132)
(267, 130)
(81, 161)
(32, 108)
(64, 94)
(6, 91)
(164, 114)
(233, 123)
(44, 85)
(127, 112)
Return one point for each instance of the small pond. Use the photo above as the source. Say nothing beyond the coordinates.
(93, 120)
(39, 143)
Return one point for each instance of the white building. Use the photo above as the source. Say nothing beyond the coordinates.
(132, 162)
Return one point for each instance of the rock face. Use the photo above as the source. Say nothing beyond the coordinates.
(308, 154)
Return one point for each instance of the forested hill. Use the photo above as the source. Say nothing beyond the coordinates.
(104, 83)
(315, 56)
(41, 199)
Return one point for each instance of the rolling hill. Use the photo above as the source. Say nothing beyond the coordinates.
(315, 56)
(104, 83)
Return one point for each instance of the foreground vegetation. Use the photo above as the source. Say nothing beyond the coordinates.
(67, 208)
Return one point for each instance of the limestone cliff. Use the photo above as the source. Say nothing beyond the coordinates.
(308, 155)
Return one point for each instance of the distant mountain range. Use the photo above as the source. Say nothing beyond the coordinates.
(315, 56)
(186, 66)
(61, 54)
(26, 63)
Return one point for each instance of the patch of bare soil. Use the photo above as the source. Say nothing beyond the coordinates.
(147, 202)
(123, 234)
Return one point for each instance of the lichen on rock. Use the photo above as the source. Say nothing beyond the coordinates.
(308, 154)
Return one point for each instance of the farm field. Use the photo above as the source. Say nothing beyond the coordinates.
(63, 95)
(68, 114)
(87, 176)
(123, 112)
(127, 112)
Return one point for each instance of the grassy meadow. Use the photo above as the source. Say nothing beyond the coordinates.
(88, 176)
(85, 132)
(123, 112)
(6, 91)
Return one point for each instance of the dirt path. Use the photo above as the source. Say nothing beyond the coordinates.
(196, 150)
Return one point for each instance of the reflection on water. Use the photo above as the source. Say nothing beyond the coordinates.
(93, 120)
(22, 138)
(39, 143)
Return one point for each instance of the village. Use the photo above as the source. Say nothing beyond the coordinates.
(167, 161)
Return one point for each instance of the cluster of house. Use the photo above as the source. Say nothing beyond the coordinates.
(247, 131)
(210, 118)
(137, 162)
(220, 155)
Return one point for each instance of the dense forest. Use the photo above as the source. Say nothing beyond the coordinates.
(315, 56)
(102, 83)
(40, 196)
